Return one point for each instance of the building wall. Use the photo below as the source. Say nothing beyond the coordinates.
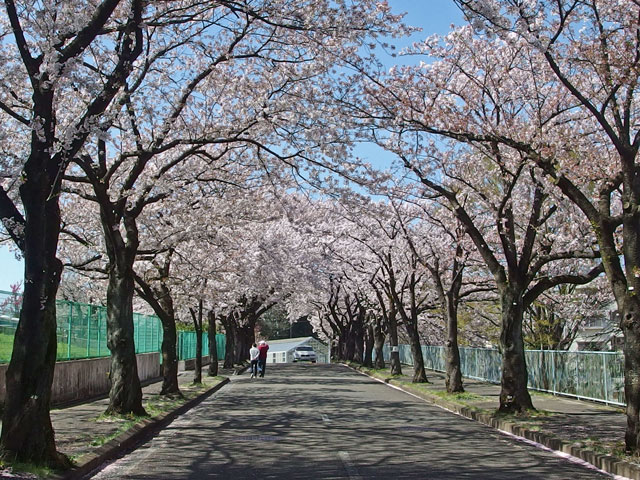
(79, 380)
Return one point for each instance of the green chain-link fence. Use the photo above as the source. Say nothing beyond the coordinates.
(82, 331)
(187, 345)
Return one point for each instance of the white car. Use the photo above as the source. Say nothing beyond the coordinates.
(304, 353)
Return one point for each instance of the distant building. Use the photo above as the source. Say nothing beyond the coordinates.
(281, 351)
(600, 333)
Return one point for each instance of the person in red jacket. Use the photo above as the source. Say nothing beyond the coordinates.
(263, 348)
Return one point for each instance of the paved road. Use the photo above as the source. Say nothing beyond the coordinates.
(328, 422)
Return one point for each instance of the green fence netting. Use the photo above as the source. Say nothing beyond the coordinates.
(597, 376)
(82, 331)
(187, 345)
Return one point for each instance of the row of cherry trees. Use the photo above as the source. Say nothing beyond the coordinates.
(522, 125)
(406, 267)
(540, 97)
(155, 148)
(124, 114)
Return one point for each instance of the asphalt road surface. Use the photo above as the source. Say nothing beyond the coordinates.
(328, 422)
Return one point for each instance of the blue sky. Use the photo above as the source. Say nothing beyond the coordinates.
(11, 270)
(433, 16)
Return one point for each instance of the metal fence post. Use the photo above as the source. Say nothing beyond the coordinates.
(160, 334)
(136, 336)
(576, 376)
(89, 331)
(604, 375)
(99, 322)
(553, 371)
(70, 320)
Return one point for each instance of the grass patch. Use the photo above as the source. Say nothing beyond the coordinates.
(375, 371)
(23, 470)
(459, 397)
(525, 415)
(128, 421)
(159, 405)
(597, 446)
(64, 350)
(381, 373)
(6, 347)
(154, 405)
(616, 449)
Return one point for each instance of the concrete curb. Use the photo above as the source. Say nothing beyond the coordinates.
(607, 463)
(131, 437)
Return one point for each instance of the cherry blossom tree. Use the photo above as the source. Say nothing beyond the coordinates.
(505, 211)
(203, 123)
(63, 66)
(403, 277)
(582, 99)
(371, 283)
(440, 244)
(154, 286)
(565, 91)
(184, 248)
(328, 283)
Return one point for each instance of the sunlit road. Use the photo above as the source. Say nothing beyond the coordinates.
(319, 422)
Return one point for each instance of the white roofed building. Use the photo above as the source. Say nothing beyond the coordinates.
(281, 351)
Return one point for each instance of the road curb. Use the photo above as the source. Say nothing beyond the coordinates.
(606, 463)
(131, 437)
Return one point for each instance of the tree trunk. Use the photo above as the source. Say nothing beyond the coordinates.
(229, 328)
(27, 433)
(514, 396)
(197, 323)
(394, 356)
(160, 299)
(630, 325)
(379, 338)
(453, 379)
(358, 342)
(213, 345)
(197, 376)
(342, 346)
(350, 345)
(419, 374)
(245, 337)
(368, 347)
(125, 396)
(169, 358)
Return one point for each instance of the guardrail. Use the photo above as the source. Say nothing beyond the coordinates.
(596, 376)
